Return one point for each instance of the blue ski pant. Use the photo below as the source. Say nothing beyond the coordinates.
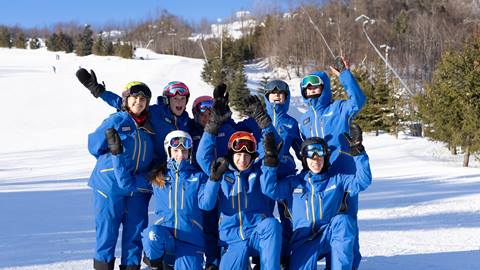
(265, 241)
(159, 244)
(337, 238)
(111, 211)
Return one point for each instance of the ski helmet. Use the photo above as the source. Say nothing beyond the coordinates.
(201, 104)
(178, 138)
(242, 142)
(135, 88)
(176, 88)
(315, 146)
(276, 85)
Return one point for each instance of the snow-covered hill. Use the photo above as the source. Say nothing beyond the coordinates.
(421, 212)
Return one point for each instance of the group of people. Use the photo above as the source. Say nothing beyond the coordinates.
(215, 182)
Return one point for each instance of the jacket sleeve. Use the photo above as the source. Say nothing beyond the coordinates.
(112, 99)
(296, 141)
(272, 187)
(354, 184)
(206, 153)
(97, 143)
(207, 194)
(356, 97)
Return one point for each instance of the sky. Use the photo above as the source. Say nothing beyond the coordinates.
(34, 13)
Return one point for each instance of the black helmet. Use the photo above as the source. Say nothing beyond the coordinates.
(315, 146)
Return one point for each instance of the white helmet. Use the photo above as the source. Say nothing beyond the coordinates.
(177, 138)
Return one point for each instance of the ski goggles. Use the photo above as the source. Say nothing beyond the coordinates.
(314, 150)
(276, 86)
(312, 80)
(176, 142)
(176, 89)
(137, 89)
(240, 145)
(205, 106)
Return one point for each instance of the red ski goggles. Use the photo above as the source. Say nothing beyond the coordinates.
(176, 89)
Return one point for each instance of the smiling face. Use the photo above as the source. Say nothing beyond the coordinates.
(276, 97)
(242, 160)
(177, 104)
(203, 117)
(315, 164)
(179, 153)
(136, 104)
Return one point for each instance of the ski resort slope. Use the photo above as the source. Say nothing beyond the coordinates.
(421, 212)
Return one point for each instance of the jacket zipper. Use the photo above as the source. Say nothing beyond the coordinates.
(239, 208)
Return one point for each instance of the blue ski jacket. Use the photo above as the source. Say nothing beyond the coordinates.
(177, 204)
(286, 127)
(320, 196)
(329, 119)
(162, 119)
(126, 172)
(242, 202)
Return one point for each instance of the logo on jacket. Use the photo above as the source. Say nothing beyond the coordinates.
(328, 114)
(252, 176)
(221, 134)
(193, 179)
(334, 186)
(168, 120)
(229, 179)
(127, 128)
(306, 121)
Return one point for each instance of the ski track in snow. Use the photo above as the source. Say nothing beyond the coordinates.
(421, 211)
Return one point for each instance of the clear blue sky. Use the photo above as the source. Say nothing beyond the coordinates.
(40, 13)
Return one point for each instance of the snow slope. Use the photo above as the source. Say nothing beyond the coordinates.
(421, 212)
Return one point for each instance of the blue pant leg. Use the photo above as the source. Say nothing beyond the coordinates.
(267, 240)
(341, 233)
(352, 203)
(287, 167)
(108, 215)
(158, 242)
(210, 225)
(135, 221)
(304, 257)
(236, 257)
(188, 256)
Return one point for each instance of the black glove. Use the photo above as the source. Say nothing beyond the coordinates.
(220, 98)
(271, 151)
(219, 167)
(340, 64)
(113, 141)
(254, 109)
(355, 140)
(89, 80)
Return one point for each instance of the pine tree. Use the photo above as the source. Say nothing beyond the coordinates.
(20, 41)
(5, 37)
(124, 50)
(84, 42)
(99, 46)
(34, 43)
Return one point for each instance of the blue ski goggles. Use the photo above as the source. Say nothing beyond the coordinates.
(276, 86)
(205, 106)
(181, 141)
(312, 80)
(313, 150)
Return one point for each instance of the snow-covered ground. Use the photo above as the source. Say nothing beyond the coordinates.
(421, 212)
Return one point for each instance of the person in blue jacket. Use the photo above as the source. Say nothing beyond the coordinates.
(330, 119)
(122, 145)
(178, 229)
(246, 222)
(320, 222)
(167, 115)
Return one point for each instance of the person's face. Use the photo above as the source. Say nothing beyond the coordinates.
(178, 104)
(179, 153)
(203, 117)
(315, 164)
(242, 160)
(276, 97)
(314, 90)
(136, 104)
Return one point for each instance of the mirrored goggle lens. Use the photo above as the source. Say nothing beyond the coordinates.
(280, 86)
(314, 149)
(313, 80)
(205, 106)
(173, 90)
(243, 145)
(181, 141)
